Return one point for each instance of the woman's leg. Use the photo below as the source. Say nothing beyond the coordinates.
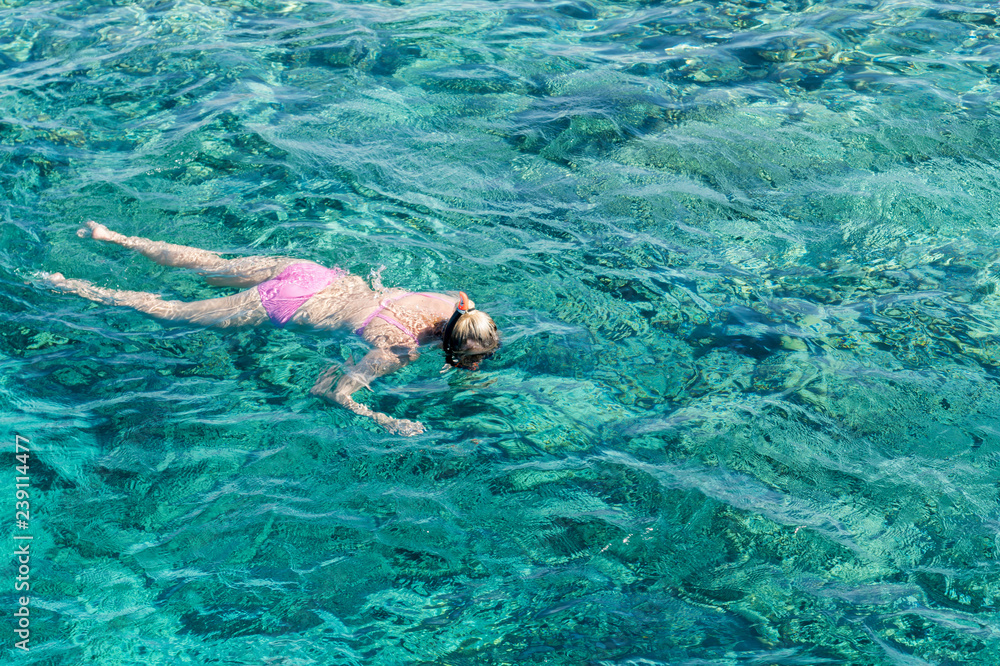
(242, 309)
(241, 272)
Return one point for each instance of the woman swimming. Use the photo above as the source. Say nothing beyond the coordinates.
(304, 293)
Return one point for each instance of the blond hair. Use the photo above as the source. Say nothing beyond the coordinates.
(477, 328)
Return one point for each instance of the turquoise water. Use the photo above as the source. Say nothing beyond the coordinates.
(744, 255)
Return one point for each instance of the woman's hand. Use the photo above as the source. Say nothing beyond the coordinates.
(405, 427)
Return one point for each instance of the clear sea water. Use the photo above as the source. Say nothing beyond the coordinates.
(745, 256)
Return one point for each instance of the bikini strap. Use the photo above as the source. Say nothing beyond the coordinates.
(440, 298)
(387, 318)
(392, 320)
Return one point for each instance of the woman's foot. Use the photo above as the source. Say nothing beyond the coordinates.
(84, 288)
(97, 231)
(60, 282)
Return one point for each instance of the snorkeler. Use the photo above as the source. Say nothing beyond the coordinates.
(283, 290)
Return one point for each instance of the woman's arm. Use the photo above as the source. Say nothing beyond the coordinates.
(376, 363)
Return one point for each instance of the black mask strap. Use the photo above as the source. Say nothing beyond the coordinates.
(460, 309)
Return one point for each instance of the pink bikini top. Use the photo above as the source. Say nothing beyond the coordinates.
(386, 317)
